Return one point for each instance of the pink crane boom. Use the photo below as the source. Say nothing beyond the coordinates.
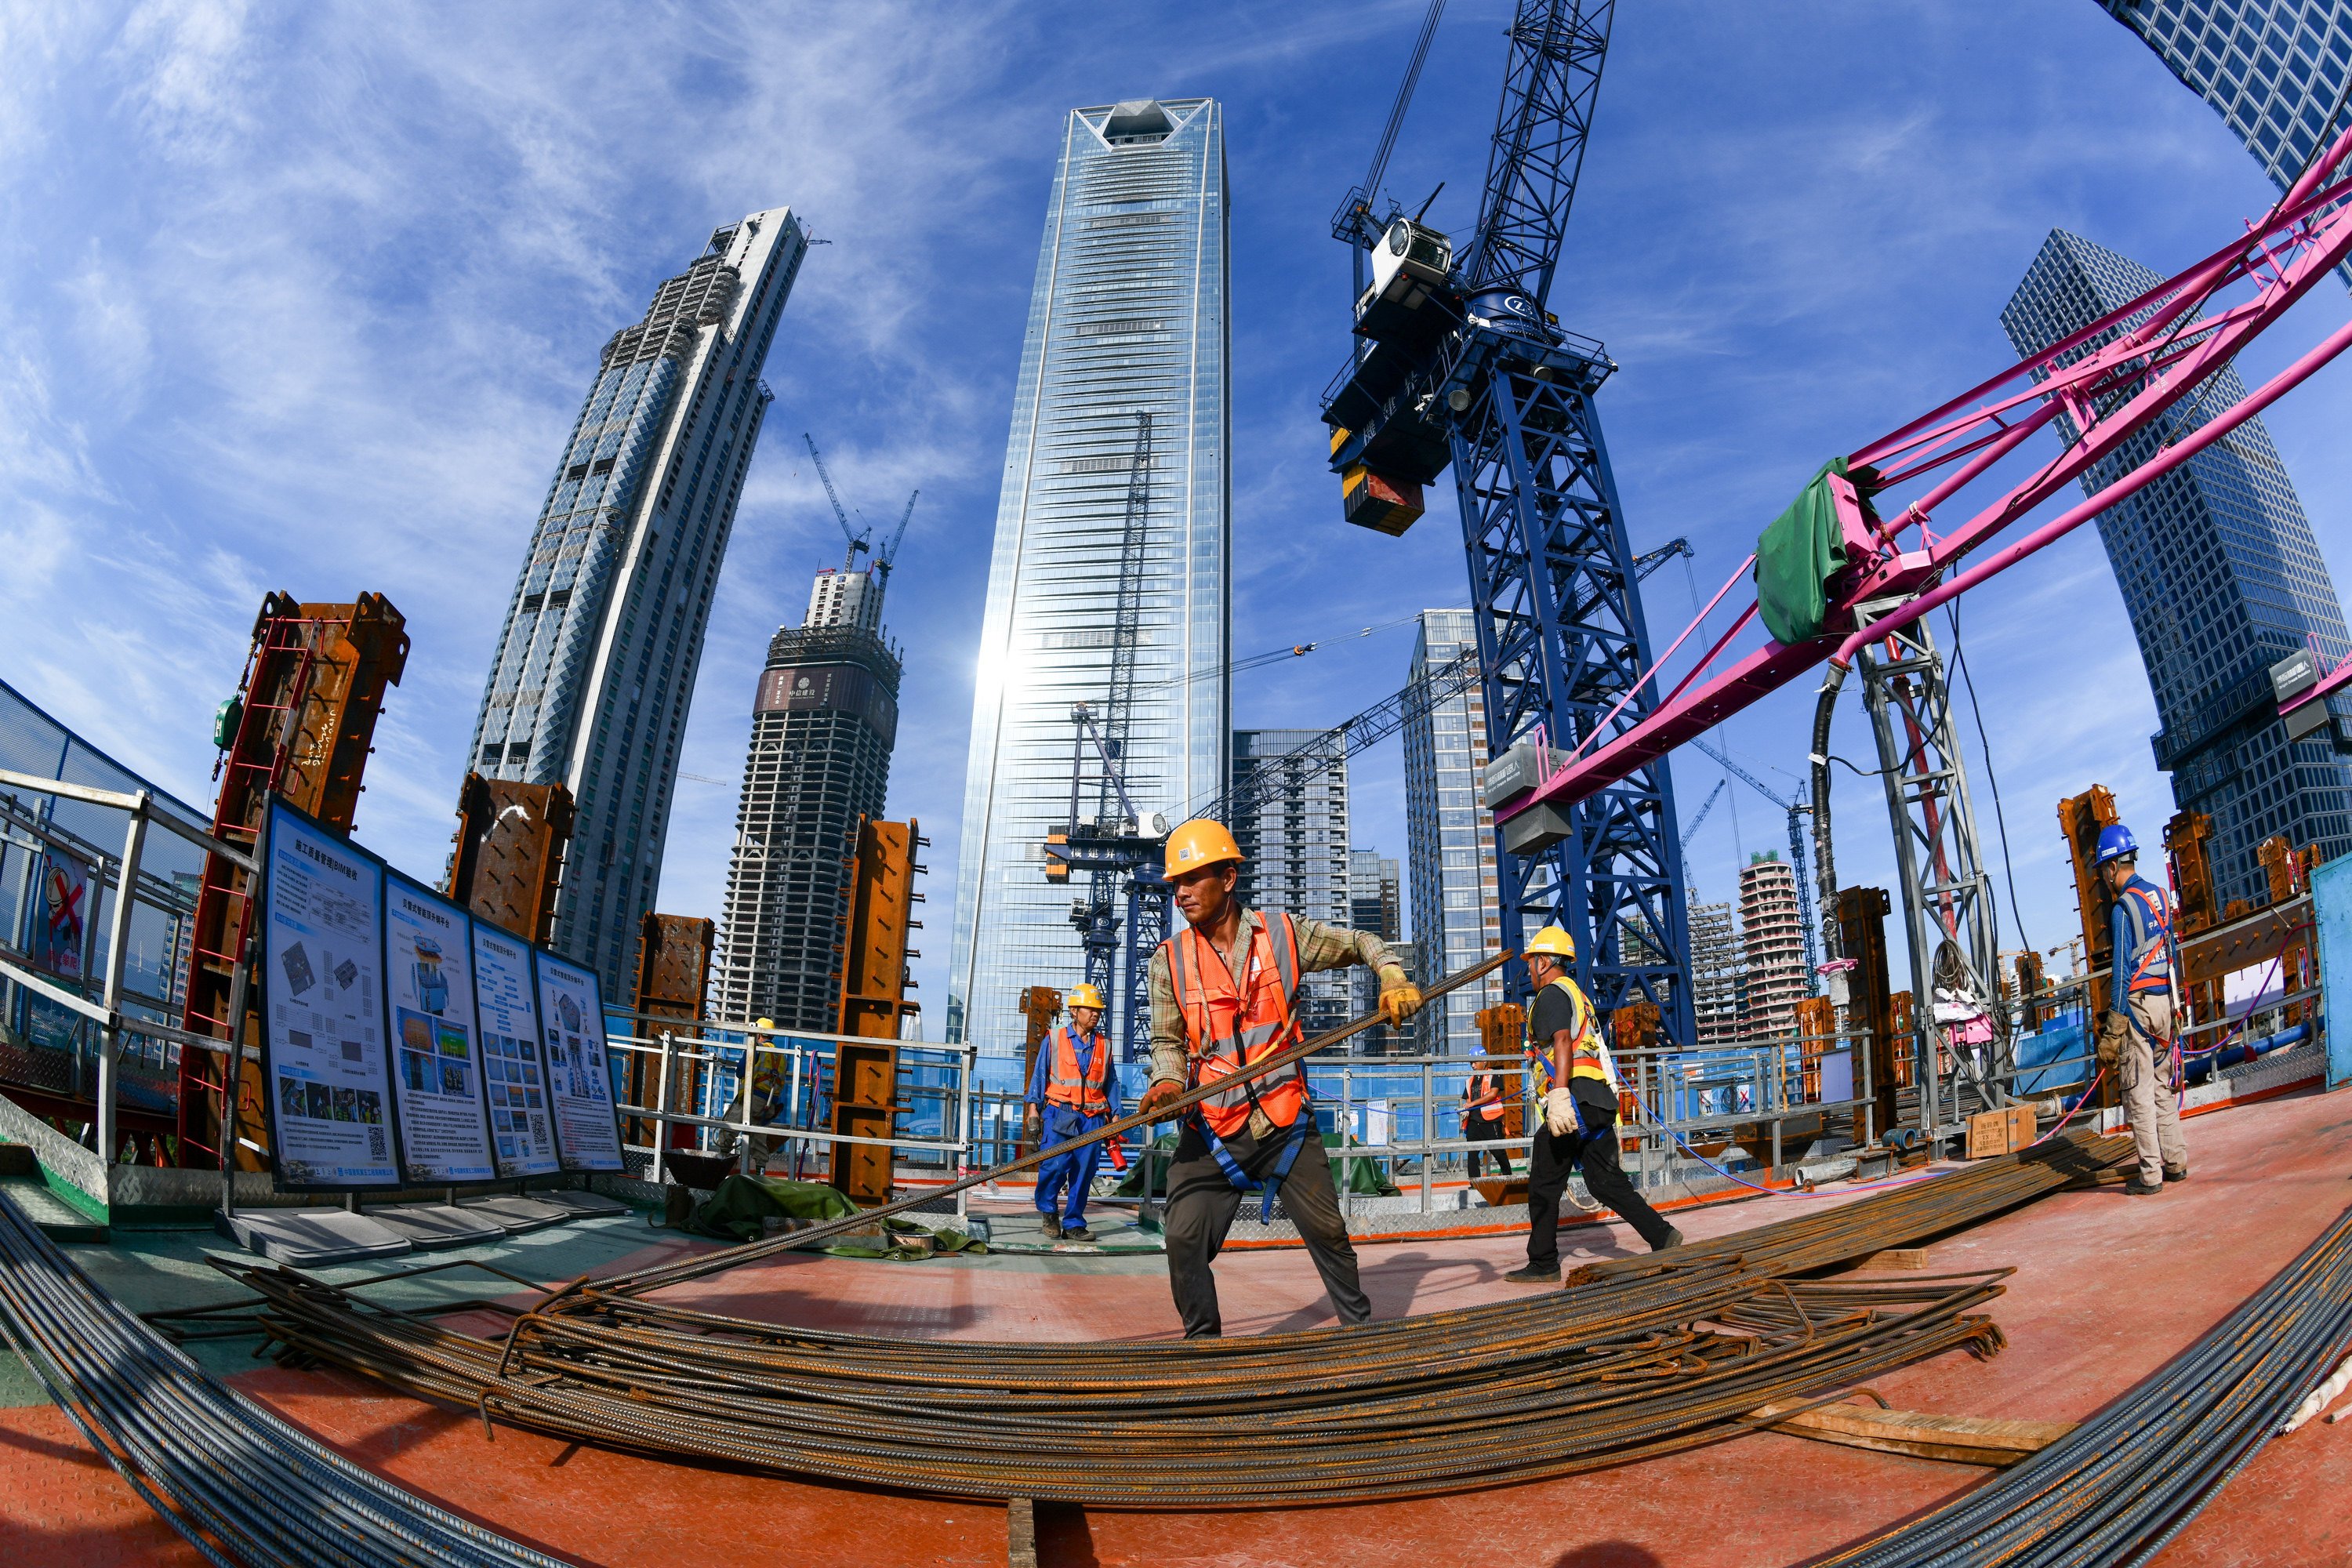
(2099, 386)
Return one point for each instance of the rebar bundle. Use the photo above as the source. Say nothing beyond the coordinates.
(1637, 1357)
(242, 1486)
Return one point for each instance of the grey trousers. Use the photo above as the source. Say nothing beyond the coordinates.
(1202, 1201)
(2146, 1083)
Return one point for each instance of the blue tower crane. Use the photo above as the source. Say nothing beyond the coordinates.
(1460, 364)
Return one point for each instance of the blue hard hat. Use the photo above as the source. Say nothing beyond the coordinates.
(2114, 843)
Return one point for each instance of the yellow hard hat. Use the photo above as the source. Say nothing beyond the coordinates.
(1555, 941)
(765, 1024)
(1084, 994)
(1198, 843)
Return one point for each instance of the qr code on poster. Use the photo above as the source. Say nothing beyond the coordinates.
(376, 1143)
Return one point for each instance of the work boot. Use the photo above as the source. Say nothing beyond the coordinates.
(1674, 1238)
(2140, 1189)
(2176, 1172)
(1053, 1223)
(1076, 1233)
(1532, 1275)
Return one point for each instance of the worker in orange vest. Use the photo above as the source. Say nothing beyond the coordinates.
(1223, 991)
(1575, 1092)
(1072, 1092)
(1482, 1118)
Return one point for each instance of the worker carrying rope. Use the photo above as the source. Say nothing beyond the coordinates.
(1575, 1083)
(2136, 1039)
(1223, 994)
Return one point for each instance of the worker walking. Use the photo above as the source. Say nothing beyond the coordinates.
(1575, 1081)
(1072, 1092)
(2137, 1041)
(1482, 1117)
(1222, 996)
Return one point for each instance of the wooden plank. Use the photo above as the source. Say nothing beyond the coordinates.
(1020, 1533)
(1956, 1439)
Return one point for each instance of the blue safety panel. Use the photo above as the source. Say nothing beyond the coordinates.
(2331, 909)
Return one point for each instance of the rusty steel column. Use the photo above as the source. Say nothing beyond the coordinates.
(1862, 936)
(300, 727)
(511, 841)
(2200, 909)
(2079, 819)
(673, 972)
(876, 923)
(2029, 992)
(1040, 1005)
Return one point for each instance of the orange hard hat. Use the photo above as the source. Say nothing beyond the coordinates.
(1084, 994)
(1198, 843)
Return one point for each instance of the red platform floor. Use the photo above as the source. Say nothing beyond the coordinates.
(2107, 1287)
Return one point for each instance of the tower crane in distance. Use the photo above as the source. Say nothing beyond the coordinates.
(1799, 862)
(861, 540)
(1459, 364)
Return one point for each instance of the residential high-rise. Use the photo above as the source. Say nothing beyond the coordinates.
(1375, 902)
(1715, 972)
(1126, 330)
(1773, 945)
(1295, 850)
(596, 660)
(1450, 842)
(2270, 70)
(822, 723)
(2222, 579)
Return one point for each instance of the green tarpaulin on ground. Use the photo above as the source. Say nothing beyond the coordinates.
(742, 1207)
(1801, 549)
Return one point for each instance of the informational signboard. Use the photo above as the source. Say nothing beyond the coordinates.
(436, 1048)
(522, 1130)
(331, 1109)
(572, 1022)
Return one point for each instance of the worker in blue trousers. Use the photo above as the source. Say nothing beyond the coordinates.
(1073, 1091)
(2137, 1038)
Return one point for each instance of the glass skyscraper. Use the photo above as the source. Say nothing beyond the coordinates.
(1450, 842)
(1128, 320)
(2271, 69)
(2222, 579)
(596, 660)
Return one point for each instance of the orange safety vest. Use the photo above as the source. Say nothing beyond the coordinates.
(1230, 1023)
(1485, 1096)
(1066, 1085)
(1588, 1053)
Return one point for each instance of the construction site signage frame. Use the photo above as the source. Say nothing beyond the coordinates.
(513, 1055)
(319, 889)
(573, 1029)
(445, 1130)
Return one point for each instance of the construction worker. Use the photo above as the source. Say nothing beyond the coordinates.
(1575, 1084)
(1072, 1092)
(2136, 1037)
(1482, 1117)
(1222, 991)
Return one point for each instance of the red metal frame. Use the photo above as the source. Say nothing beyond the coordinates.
(2107, 392)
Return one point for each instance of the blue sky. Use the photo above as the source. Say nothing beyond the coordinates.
(307, 297)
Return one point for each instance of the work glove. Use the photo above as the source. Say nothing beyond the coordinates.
(1157, 1096)
(2113, 1030)
(1032, 1125)
(1559, 1113)
(1399, 1000)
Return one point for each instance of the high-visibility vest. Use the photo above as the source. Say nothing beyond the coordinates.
(1588, 1053)
(2149, 961)
(1485, 1096)
(1067, 1084)
(1232, 1020)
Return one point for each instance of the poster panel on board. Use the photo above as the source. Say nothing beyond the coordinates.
(571, 1022)
(322, 952)
(522, 1131)
(436, 1053)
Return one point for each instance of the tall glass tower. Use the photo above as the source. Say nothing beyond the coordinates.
(596, 660)
(1450, 842)
(1128, 320)
(2222, 579)
(2270, 70)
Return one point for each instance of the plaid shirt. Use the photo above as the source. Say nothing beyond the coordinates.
(1321, 946)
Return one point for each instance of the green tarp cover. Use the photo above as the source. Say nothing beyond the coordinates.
(740, 1209)
(1800, 551)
